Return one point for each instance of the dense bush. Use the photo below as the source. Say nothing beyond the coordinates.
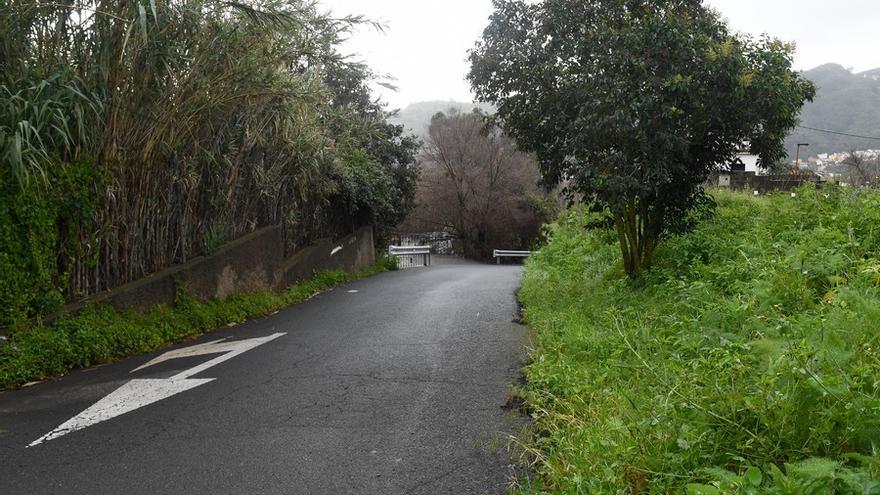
(45, 226)
(746, 361)
(207, 119)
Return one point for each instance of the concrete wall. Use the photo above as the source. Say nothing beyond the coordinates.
(354, 252)
(252, 263)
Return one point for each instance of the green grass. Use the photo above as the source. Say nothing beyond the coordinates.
(746, 362)
(100, 334)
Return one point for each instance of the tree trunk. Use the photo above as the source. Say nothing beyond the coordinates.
(635, 233)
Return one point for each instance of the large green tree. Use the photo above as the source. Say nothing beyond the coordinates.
(377, 172)
(632, 104)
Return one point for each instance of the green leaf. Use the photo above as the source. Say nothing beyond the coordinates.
(753, 476)
(700, 489)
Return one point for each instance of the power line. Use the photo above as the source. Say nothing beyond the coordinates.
(839, 133)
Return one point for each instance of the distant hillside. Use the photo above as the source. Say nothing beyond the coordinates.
(417, 117)
(845, 102)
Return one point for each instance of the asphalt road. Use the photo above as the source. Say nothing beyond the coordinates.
(395, 388)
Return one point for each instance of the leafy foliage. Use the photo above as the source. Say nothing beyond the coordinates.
(377, 173)
(207, 119)
(46, 229)
(745, 361)
(41, 118)
(634, 103)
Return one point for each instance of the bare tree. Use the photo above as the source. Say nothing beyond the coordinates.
(862, 169)
(477, 185)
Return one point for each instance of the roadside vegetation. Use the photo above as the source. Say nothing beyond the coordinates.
(138, 135)
(745, 361)
(100, 334)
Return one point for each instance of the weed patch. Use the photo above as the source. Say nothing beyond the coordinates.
(745, 362)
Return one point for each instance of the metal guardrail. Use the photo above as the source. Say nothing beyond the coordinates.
(407, 256)
(506, 253)
(442, 243)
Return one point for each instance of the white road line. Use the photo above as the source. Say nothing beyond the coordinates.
(141, 392)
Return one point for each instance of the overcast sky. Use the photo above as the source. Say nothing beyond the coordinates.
(425, 43)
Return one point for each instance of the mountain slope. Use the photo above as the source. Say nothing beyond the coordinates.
(845, 102)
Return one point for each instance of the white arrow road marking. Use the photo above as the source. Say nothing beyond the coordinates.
(132, 395)
(141, 392)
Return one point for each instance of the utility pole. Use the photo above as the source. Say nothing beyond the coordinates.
(797, 160)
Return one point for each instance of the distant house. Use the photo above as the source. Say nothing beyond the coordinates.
(746, 162)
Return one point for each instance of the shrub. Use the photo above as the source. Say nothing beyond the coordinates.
(44, 225)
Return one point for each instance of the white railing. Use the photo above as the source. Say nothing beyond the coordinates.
(506, 253)
(410, 256)
(441, 242)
